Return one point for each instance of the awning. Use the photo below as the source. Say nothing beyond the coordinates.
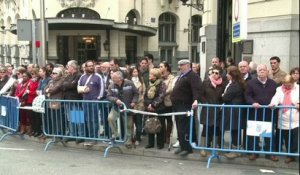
(95, 24)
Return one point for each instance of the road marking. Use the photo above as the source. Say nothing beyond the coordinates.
(16, 149)
(266, 171)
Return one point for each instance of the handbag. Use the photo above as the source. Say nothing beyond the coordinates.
(80, 89)
(37, 104)
(152, 125)
(54, 105)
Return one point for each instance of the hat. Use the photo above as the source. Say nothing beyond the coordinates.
(184, 61)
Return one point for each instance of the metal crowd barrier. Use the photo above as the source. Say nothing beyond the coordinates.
(81, 120)
(9, 115)
(244, 129)
(171, 114)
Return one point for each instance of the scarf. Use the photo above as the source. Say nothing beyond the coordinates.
(152, 88)
(214, 82)
(136, 82)
(287, 100)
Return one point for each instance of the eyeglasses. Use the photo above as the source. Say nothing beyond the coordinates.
(214, 72)
(2, 72)
(54, 73)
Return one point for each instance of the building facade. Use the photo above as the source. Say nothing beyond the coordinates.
(128, 29)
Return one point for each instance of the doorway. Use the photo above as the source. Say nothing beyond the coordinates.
(131, 49)
(79, 48)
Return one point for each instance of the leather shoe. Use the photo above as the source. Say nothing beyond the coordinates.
(149, 146)
(289, 160)
(185, 153)
(253, 157)
(179, 150)
(274, 158)
(160, 147)
(79, 141)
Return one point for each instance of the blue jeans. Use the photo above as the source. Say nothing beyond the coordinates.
(91, 119)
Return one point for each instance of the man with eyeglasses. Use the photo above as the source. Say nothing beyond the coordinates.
(7, 82)
(3, 77)
(94, 90)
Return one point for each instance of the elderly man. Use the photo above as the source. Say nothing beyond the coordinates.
(245, 70)
(105, 74)
(185, 96)
(69, 88)
(6, 80)
(259, 92)
(119, 92)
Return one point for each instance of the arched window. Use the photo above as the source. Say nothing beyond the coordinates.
(131, 18)
(167, 28)
(78, 12)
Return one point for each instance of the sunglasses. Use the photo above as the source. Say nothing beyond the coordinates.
(216, 73)
(2, 72)
(54, 73)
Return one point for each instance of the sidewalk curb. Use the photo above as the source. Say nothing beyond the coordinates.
(164, 153)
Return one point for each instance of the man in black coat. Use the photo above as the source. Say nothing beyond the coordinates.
(185, 97)
(69, 88)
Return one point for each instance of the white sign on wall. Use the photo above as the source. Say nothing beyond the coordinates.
(239, 20)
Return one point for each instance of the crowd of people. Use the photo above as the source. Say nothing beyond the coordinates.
(153, 88)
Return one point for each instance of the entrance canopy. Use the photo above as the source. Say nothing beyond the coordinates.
(95, 24)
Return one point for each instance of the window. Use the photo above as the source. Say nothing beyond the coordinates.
(167, 28)
(196, 25)
(131, 18)
(166, 54)
(78, 12)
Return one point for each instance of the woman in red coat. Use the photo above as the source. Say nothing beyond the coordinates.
(26, 92)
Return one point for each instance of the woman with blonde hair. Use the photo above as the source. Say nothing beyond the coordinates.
(54, 91)
(154, 102)
(288, 121)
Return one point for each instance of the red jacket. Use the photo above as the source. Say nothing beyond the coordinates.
(31, 86)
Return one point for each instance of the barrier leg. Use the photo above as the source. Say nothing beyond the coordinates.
(112, 145)
(212, 156)
(6, 134)
(10, 133)
(53, 140)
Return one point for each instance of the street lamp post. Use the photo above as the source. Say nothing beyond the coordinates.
(43, 56)
(199, 6)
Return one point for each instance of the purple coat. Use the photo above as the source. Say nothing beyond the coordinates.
(256, 92)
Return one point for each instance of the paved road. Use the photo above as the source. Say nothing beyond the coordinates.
(24, 157)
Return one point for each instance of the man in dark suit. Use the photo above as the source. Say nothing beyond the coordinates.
(185, 97)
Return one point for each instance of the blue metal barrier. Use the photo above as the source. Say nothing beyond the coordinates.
(80, 120)
(266, 130)
(9, 115)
